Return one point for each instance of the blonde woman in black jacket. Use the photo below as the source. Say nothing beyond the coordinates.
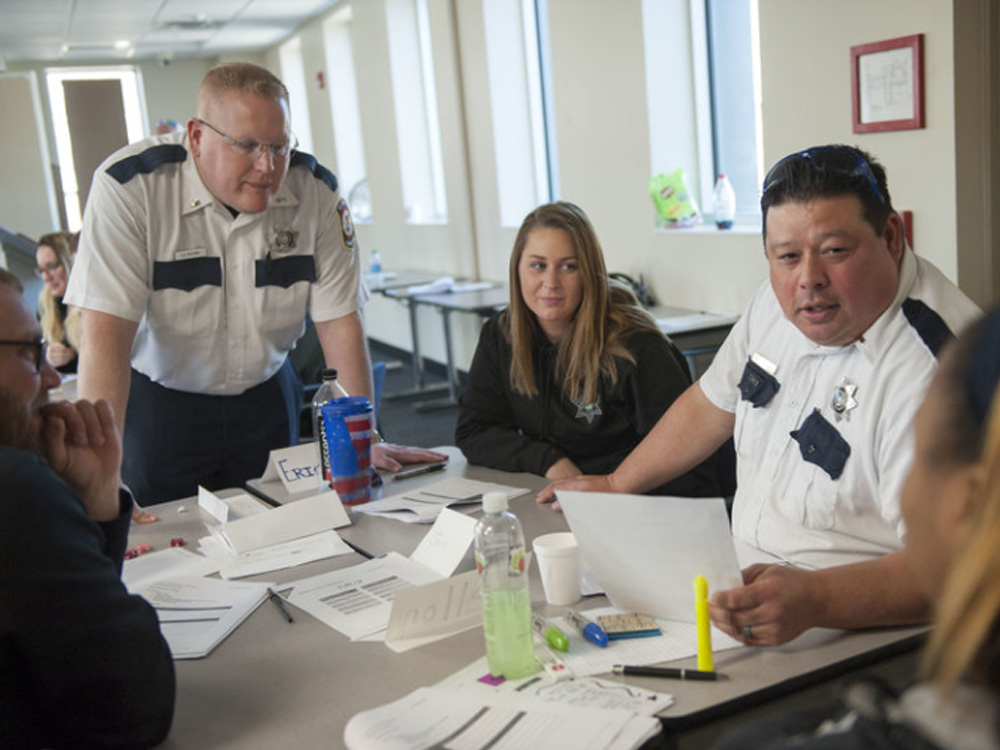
(574, 373)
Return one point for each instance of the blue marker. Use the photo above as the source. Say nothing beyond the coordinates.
(590, 630)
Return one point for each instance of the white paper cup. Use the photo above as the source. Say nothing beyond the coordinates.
(559, 565)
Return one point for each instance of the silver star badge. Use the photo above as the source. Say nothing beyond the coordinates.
(284, 239)
(587, 411)
(843, 399)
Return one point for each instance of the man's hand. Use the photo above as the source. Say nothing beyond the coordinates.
(777, 602)
(564, 468)
(391, 457)
(582, 483)
(83, 447)
(59, 354)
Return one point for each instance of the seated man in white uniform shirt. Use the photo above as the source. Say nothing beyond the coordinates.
(202, 252)
(818, 383)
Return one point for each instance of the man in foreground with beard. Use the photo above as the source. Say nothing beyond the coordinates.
(82, 663)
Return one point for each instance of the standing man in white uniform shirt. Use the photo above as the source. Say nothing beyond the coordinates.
(818, 383)
(201, 254)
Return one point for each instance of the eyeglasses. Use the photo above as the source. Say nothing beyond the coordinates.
(39, 345)
(40, 271)
(844, 161)
(252, 148)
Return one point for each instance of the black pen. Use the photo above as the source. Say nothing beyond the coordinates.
(279, 604)
(407, 473)
(677, 674)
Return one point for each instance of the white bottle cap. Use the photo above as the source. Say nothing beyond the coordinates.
(494, 502)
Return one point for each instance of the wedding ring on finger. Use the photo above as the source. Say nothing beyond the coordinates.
(748, 632)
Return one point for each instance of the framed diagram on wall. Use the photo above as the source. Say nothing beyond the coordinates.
(887, 85)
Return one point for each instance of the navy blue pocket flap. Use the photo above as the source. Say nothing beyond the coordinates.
(820, 443)
(188, 274)
(284, 272)
(757, 385)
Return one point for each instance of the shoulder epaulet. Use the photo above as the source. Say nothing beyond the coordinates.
(147, 161)
(932, 329)
(302, 159)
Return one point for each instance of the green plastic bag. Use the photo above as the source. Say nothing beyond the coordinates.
(673, 202)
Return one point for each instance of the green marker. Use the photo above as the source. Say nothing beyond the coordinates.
(552, 635)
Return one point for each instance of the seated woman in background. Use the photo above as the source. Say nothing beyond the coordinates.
(951, 506)
(60, 325)
(574, 373)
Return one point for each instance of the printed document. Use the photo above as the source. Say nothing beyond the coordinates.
(357, 601)
(423, 505)
(436, 718)
(196, 614)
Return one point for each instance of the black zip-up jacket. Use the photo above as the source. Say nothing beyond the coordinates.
(502, 429)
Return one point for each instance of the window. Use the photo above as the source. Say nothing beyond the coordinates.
(521, 136)
(415, 98)
(347, 133)
(704, 99)
(293, 74)
(94, 112)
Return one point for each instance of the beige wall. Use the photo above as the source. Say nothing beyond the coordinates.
(603, 141)
(807, 95)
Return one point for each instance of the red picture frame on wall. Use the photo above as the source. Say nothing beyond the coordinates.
(887, 85)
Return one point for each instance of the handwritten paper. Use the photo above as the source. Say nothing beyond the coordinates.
(428, 613)
(298, 468)
(356, 601)
(645, 551)
(591, 692)
(172, 562)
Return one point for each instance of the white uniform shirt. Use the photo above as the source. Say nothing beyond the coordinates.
(219, 301)
(794, 508)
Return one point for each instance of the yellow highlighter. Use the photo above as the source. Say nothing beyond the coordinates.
(704, 626)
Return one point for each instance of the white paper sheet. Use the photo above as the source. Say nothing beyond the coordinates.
(173, 562)
(228, 509)
(679, 640)
(196, 614)
(356, 601)
(445, 545)
(590, 692)
(428, 717)
(292, 521)
(276, 557)
(424, 505)
(646, 551)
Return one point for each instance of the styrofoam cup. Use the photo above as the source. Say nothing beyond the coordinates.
(559, 565)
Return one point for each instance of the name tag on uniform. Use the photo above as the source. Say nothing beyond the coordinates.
(195, 252)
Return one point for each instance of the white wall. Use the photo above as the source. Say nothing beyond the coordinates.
(27, 190)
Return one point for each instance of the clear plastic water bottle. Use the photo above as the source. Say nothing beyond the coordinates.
(510, 648)
(723, 203)
(328, 390)
(376, 266)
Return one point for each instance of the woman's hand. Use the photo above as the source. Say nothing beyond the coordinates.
(59, 354)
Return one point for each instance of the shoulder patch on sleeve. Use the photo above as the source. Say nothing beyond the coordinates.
(301, 159)
(147, 161)
(346, 224)
(932, 329)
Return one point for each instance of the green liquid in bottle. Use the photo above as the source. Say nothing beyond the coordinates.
(510, 646)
